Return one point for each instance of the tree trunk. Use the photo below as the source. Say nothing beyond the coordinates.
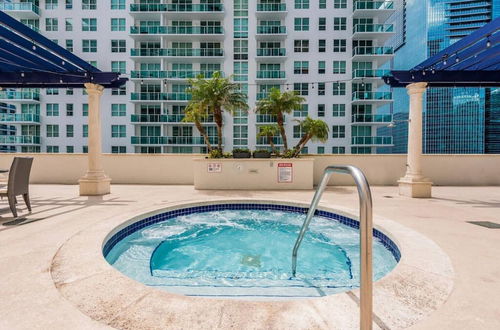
(299, 147)
(281, 126)
(271, 143)
(218, 122)
(203, 133)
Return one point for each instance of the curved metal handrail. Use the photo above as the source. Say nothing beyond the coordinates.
(366, 234)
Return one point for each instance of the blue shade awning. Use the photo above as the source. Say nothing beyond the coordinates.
(29, 60)
(473, 61)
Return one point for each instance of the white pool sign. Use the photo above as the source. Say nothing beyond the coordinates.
(285, 172)
(214, 167)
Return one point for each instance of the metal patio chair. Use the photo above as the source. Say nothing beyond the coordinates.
(18, 183)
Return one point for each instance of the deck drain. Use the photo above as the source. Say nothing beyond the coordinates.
(487, 224)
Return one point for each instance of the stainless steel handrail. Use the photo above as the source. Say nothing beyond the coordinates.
(366, 234)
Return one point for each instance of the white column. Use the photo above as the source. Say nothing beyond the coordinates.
(94, 182)
(414, 184)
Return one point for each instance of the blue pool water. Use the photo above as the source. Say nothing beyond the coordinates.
(246, 253)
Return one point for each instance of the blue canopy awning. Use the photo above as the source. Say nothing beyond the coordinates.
(473, 61)
(29, 60)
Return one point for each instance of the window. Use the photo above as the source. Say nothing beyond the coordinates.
(321, 89)
(240, 71)
(89, 4)
(322, 4)
(89, 45)
(240, 49)
(339, 67)
(322, 45)
(68, 24)
(117, 4)
(118, 149)
(339, 88)
(85, 109)
(321, 110)
(339, 23)
(69, 4)
(361, 150)
(85, 131)
(50, 4)
(70, 149)
(69, 91)
(338, 110)
(240, 28)
(51, 24)
(118, 24)
(52, 149)
(70, 131)
(339, 45)
(339, 4)
(297, 132)
(52, 109)
(320, 150)
(302, 111)
(52, 91)
(118, 46)
(52, 130)
(119, 91)
(338, 131)
(321, 67)
(322, 24)
(301, 67)
(301, 24)
(338, 150)
(118, 131)
(85, 149)
(69, 45)
(89, 24)
(69, 109)
(119, 66)
(301, 46)
(301, 88)
(118, 110)
(301, 4)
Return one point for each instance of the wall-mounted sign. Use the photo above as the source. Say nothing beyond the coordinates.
(214, 167)
(285, 172)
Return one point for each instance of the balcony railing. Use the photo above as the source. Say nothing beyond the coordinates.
(375, 5)
(19, 95)
(19, 6)
(180, 8)
(371, 118)
(267, 118)
(373, 96)
(173, 140)
(265, 74)
(19, 139)
(187, 52)
(20, 117)
(271, 51)
(264, 141)
(372, 51)
(165, 118)
(262, 95)
(368, 73)
(371, 140)
(373, 28)
(271, 7)
(176, 30)
(175, 74)
(160, 96)
(271, 29)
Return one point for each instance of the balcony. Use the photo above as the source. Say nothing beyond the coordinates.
(371, 119)
(172, 140)
(371, 97)
(178, 52)
(19, 96)
(373, 9)
(379, 54)
(178, 32)
(272, 75)
(144, 119)
(263, 141)
(372, 76)
(20, 10)
(265, 32)
(175, 74)
(19, 139)
(271, 54)
(262, 95)
(270, 10)
(373, 141)
(193, 11)
(381, 32)
(19, 118)
(267, 119)
(160, 97)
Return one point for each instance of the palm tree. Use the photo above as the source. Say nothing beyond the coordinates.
(269, 131)
(277, 104)
(313, 129)
(196, 113)
(218, 94)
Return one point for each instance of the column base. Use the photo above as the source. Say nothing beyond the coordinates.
(94, 186)
(415, 188)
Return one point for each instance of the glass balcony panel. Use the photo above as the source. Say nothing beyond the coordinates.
(19, 117)
(375, 5)
(19, 95)
(19, 139)
(264, 141)
(371, 118)
(379, 28)
(19, 6)
(271, 29)
(368, 73)
(372, 51)
(176, 30)
(182, 8)
(271, 51)
(188, 52)
(271, 7)
(371, 96)
(371, 140)
(270, 74)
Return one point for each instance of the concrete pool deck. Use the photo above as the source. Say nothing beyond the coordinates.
(28, 246)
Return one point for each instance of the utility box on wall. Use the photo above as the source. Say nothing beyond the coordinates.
(249, 174)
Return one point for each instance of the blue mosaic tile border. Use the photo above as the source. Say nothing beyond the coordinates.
(386, 241)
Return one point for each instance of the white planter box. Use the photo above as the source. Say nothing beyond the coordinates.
(255, 174)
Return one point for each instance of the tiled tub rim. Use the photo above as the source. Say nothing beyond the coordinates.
(129, 227)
